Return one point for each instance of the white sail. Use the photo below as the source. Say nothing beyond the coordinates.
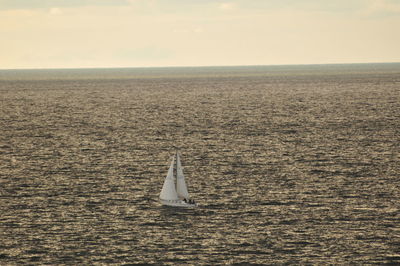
(168, 191)
(181, 187)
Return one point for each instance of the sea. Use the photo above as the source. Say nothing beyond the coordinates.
(289, 164)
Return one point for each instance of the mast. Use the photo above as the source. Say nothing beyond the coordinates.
(176, 170)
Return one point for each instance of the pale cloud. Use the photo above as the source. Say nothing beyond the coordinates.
(29, 4)
(195, 30)
(147, 4)
(381, 7)
(227, 6)
(55, 11)
(198, 30)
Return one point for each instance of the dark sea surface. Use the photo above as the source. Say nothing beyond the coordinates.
(290, 164)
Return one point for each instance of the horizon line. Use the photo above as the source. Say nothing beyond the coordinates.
(200, 66)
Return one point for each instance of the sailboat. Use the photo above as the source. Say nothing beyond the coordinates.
(174, 191)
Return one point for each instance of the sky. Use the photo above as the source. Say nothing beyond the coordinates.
(154, 33)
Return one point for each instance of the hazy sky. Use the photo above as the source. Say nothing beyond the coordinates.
(136, 33)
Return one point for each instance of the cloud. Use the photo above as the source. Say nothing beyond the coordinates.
(143, 54)
(198, 30)
(227, 6)
(30, 4)
(381, 7)
(55, 11)
(188, 30)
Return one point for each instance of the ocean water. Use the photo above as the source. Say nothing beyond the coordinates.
(290, 164)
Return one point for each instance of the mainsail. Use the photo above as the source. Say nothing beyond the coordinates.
(168, 191)
(181, 187)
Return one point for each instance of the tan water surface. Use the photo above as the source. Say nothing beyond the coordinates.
(289, 164)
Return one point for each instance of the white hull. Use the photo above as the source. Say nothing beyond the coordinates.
(178, 203)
